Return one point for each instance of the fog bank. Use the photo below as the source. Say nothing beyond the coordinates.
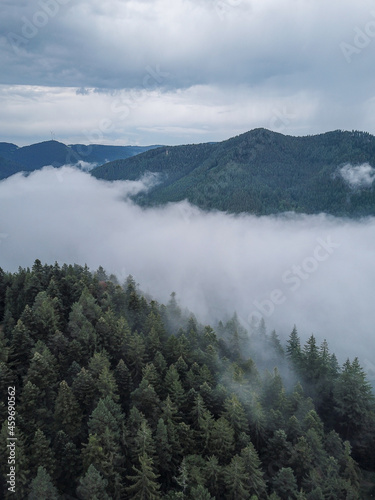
(315, 271)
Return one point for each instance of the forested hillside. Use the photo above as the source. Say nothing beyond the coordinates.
(120, 397)
(15, 159)
(260, 172)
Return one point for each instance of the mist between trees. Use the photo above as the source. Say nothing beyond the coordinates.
(120, 396)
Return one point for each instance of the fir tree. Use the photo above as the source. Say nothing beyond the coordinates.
(67, 415)
(293, 349)
(144, 485)
(222, 439)
(42, 487)
(92, 486)
(285, 484)
(236, 480)
(42, 454)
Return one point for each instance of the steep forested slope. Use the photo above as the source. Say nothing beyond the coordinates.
(118, 396)
(261, 172)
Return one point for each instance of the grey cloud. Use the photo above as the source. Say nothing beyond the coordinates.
(278, 50)
(359, 176)
(315, 271)
(109, 44)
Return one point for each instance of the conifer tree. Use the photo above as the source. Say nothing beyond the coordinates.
(67, 415)
(213, 475)
(301, 459)
(107, 385)
(150, 373)
(257, 420)
(293, 348)
(201, 493)
(164, 451)
(123, 380)
(236, 480)
(160, 364)
(20, 348)
(222, 439)
(90, 308)
(98, 362)
(92, 486)
(146, 400)
(143, 443)
(42, 487)
(144, 483)
(135, 356)
(69, 463)
(43, 371)
(285, 484)
(46, 319)
(252, 463)
(354, 402)
(84, 389)
(174, 386)
(278, 451)
(234, 412)
(42, 454)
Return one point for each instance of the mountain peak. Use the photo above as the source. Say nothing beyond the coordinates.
(260, 172)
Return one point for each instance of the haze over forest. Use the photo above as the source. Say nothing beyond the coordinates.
(217, 263)
(187, 215)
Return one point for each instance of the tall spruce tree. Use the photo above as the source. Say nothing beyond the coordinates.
(143, 483)
(42, 487)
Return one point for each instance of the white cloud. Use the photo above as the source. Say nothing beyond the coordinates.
(315, 271)
(359, 176)
(196, 114)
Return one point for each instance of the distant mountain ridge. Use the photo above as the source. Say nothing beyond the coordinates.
(261, 172)
(28, 158)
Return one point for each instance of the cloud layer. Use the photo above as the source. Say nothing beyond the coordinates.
(315, 271)
(184, 71)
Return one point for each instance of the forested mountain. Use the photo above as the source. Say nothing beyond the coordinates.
(262, 172)
(28, 158)
(120, 397)
(96, 153)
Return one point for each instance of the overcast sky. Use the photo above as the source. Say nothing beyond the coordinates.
(182, 71)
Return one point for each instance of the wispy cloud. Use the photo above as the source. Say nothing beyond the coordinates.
(359, 176)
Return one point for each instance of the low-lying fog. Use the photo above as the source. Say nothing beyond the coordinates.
(315, 271)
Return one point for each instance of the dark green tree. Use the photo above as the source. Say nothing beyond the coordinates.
(285, 484)
(42, 454)
(42, 487)
(293, 348)
(222, 440)
(68, 416)
(236, 480)
(354, 402)
(144, 485)
(92, 486)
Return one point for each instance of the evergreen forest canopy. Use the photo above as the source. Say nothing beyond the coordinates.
(260, 172)
(118, 396)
